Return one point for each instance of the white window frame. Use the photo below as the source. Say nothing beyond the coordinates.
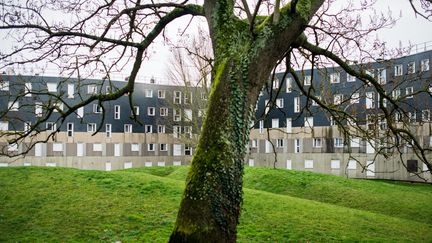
(70, 129)
(28, 89)
(177, 97)
(335, 78)
(275, 83)
(97, 109)
(317, 142)
(426, 115)
(297, 145)
(409, 92)
(280, 143)
(188, 116)
(108, 130)
(13, 105)
(38, 109)
(136, 109)
(148, 93)
(127, 128)
(161, 128)
(4, 125)
(288, 82)
(335, 164)
(97, 147)
(163, 147)
(280, 103)
(261, 126)
(398, 70)
(161, 94)
(117, 112)
(355, 98)
(424, 65)
(80, 112)
(370, 100)
(275, 123)
(350, 78)
(135, 147)
(337, 99)
(70, 91)
(91, 127)
(296, 104)
(51, 126)
(151, 111)
(382, 75)
(177, 115)
(338, 142)
(150, 147)
(176, 131)
(307, 80)
(308, 164)
(148, 128)
(4, 85)
(52, 87)
(163, 111)
(309, 121)
(411, 67)
(92, 89)
(57, 147)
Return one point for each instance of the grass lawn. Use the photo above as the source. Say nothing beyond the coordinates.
(59, 204)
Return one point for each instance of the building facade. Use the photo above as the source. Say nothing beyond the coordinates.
(157, 125)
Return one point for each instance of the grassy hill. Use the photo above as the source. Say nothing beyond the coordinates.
(59, 204)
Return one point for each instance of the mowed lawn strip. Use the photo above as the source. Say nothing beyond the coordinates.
(58, 204)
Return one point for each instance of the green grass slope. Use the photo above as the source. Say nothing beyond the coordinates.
(58, 204)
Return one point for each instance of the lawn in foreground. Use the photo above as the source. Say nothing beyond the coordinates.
(57, 204)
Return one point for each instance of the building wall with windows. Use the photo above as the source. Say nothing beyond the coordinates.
(169, 117)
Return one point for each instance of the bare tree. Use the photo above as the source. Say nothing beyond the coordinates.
(101, 37)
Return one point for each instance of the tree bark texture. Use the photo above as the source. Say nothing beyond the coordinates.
(211, 204)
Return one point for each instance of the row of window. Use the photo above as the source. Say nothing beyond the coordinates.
(178, 149)
(52, 87)
(380, 74)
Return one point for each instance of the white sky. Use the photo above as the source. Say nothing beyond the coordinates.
(408, 30)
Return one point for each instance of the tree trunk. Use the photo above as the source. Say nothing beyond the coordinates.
(210, 208)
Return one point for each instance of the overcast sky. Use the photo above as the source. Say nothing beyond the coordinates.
(408, 30)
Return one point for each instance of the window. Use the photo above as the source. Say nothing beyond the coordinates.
(150, 147)
(188, 131)
(382, 75)
(92, 89)
(91, 127)
(409, 91)
(370, 100)
(127, 128)
(317, 142)
(337, 99)
(308, 121)
(308, 164)
(51, 126)
(275, 83)
(70, 90)
(332, 121)
(280, 103)
(398, 117)
(335, 164)
(297, 145)
(27, 126)
(97, 147)
(161, 94)
(4, 85)
(57, 147)
(117, 112)
(296, 104)
(58, 106)
(177, 97)
(13, 105)
(424, 65)
(4, 125)
(97, 108)
(148, 93)
(338, 142)
(288, 84)
(163, 147)
(355, 98)
(136, 110)
(161, 128)
(52, 87)
(80, 112)
(163, 111)
(203, 95)
(335, 78)
(70, 129)
(426, 115)
(267, 106)
(314, 103)
(350, 78)
(412, 166)
(188, 114)
(38, 109)
(396, 93)
(370, 72)
(188, 97)
(412, 116)
(176, 131)
(108, 128)
(352, 165)
(411, 67)
(188, 150)
(12, 147)
(355, 142)
(275, 123)
(135, 147)
(261, 126)
(398, 70)
(150, 111)
(307, 80)
(279, 143)
(108, 89)
(177, 115)
(254, 143)
(148, 129)
(28, 89)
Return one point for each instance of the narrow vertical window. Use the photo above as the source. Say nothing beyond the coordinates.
(70, 129)
(108, 128)
(28, 89)
(70, 90)
(117, 112)
(296, 104)
(80, 112)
